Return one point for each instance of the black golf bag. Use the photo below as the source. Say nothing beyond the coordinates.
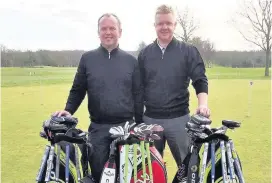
(68, 146)
(190, 170)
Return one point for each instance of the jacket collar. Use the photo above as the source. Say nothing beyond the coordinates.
(115, 50)
(172, 42)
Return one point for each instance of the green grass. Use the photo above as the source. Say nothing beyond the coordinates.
(60, 75)
(28, 100)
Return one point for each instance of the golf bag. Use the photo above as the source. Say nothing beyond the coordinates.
(192, 164)
(67, 147)
(72, 170)
(139, 161)
(212, 157)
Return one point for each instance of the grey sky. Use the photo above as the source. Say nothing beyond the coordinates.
(72, 24)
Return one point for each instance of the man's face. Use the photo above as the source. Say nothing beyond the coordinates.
(165, 25)
(109, 31)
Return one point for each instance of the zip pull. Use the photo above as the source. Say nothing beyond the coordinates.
(109, 55)
(163, 50)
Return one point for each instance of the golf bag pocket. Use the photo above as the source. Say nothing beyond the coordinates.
(139, 161)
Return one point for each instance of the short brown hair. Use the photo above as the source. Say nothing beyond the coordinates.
(108, 15)
(164, 9)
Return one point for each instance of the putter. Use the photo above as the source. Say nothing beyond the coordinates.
(43, 163)
(67, 163)
(236, 163)
(230, 162)
(203, 168)
(49, 164)
(223, 161)
(57, 162)
(213, 160)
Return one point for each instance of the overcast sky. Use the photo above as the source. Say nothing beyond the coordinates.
(72, 24)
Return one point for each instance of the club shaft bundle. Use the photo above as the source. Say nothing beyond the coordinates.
(136, 156)
(230, 165)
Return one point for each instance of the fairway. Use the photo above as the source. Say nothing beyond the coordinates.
(29, 98)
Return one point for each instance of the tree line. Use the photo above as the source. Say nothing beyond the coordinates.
(257, 14)
(70, 58)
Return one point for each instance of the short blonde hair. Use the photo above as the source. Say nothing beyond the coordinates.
(164, 9)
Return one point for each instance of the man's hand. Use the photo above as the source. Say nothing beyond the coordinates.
(62, 113)
(203, 110)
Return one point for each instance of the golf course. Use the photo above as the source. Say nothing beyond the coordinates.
(31, 95)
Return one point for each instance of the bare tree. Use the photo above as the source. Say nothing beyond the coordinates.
(258, 15)
(187, 24)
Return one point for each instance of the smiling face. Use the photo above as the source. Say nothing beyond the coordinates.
(109, 31)
(165, 23)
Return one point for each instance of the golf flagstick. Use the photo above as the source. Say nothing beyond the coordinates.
(43, 163)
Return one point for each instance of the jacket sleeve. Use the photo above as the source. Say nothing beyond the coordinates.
(79, 88)
(197, 71)
(138, 93)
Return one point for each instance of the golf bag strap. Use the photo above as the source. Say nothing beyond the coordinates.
(194, 161)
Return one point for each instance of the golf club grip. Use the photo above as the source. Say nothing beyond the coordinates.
(49, 163)
(43, 163)
(67, 163)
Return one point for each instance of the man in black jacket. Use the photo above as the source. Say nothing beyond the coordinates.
(167, 65)
(111, 79)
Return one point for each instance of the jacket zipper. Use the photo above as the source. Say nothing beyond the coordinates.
(163, 53)
(109, 55)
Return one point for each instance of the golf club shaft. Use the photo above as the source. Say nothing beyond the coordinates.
(223, 161)
(49, 163)
(126, 163)
(135, 149)
(204, 159)
(143, 159)
(147, 146)
(57, 162)
(43, 163)
(230, 161)
(236, 163)
(67, 163)
(213, 160)
(77, 163)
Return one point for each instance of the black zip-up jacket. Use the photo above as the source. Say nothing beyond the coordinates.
(113, 85)
(166, 78)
